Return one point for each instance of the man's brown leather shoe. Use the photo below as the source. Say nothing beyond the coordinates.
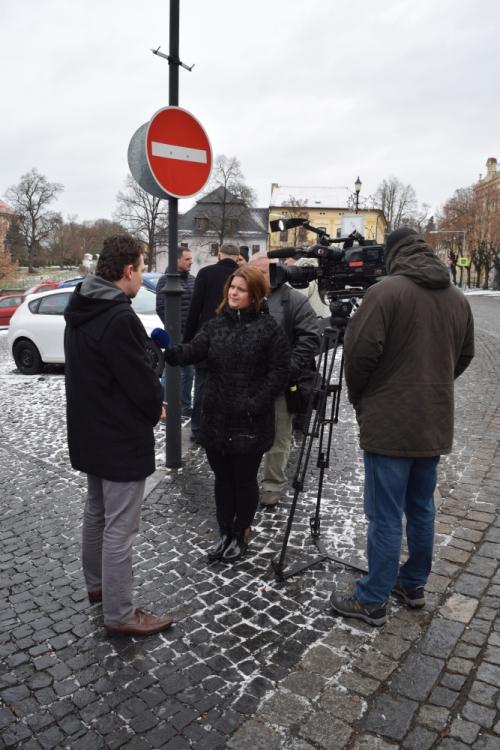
(95, 596)
(141, 624)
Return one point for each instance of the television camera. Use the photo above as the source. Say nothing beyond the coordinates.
(356, 266)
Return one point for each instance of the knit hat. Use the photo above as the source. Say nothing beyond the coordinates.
(397, 236)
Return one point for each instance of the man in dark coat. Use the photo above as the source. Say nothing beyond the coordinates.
(411, 337)
(114, 400)
(207, 296)
(187, 280)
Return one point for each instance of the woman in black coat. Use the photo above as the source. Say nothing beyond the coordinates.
(248, 361)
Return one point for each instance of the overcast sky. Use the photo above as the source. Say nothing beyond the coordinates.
(309, 92)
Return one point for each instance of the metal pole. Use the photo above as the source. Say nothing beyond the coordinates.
(173, 289)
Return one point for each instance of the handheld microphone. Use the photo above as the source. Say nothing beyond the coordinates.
(283, 252)
(160, 337)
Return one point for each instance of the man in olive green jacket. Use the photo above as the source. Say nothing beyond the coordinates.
(411, 337)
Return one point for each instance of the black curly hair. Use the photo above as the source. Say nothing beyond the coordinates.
(117, 252)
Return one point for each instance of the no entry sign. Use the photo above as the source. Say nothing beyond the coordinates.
(178, 152)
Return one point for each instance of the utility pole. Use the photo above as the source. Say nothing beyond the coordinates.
(172, 288)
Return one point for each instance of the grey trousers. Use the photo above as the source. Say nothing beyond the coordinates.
(110, 524)
(276, 459)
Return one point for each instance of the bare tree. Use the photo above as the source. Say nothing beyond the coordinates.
(227, 200)
(295, 208)
(72, 239)
(397, 201)
(30, 199)
(143, 215)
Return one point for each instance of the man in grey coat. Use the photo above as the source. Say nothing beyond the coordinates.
(411, 337)
(293, 312)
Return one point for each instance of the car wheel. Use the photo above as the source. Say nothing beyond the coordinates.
(155, 357)
(27, 357)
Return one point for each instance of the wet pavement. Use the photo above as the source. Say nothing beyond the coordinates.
(251, 662)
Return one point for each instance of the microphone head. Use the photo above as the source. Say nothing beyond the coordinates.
(160, 337)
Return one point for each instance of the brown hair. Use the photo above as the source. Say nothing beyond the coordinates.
(117, 252)
(258, 286)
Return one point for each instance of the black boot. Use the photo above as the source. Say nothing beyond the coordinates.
(237, 547)
(216, 552)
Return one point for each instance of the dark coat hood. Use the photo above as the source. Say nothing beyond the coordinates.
(414, 258)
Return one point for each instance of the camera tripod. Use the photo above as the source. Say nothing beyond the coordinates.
(319, 429)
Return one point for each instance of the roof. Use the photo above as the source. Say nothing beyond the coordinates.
(310, 197)
(5, 209)
(252, 221)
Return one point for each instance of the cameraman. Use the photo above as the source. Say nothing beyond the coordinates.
(293, 312)
(411, 337)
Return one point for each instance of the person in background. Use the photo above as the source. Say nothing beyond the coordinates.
(184, 263)
(113, 402)
(299, 322)
(206, 298)
(247, 365)
(243, 256)
(412, 335)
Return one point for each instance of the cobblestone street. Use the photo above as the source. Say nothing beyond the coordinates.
(251, 662)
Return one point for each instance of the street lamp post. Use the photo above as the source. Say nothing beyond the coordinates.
(357, 188)
(454, 231)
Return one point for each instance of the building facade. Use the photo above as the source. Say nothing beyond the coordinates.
(327, 208)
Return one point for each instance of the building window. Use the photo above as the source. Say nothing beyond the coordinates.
(339, 232)
(201, 223)
(284, 236)
(255, 249)
(214, 248)
(184, 244)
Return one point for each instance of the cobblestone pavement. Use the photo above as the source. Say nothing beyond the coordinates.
(251, 662)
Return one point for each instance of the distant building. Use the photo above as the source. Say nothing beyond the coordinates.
(215, 215)
(6, 217)
(330, 208)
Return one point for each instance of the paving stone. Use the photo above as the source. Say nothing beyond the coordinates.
(370, 742)
(486, 742)
(481, 692)
(453, 681)
(419, 738)
(390, 716)
(375, 665)
(471, 585)
(417, 676)
(254, 735)
(358, 683)
(434, 716)
(489, 673)
(308, 684)
(464, 730)
(326, 731)
(284, 709)
(478, 714)
(344, 706)
(441, 696)
(459, 608)
(441, 637)
(451, 744)
(323, 661)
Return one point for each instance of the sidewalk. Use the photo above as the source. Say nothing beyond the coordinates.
(250, 662)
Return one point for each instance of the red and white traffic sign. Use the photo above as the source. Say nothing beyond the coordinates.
(178, 152)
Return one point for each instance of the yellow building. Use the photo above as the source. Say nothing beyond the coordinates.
(323, 207)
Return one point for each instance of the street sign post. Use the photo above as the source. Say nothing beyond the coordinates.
(178, 152)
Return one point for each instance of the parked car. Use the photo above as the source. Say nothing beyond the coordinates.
(36, 331)
(8, 306)
(150, 279)
(42, 286)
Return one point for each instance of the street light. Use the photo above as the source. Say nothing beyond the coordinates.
(357, 188)
(454, 231)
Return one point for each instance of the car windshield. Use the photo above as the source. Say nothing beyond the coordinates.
(144, 302)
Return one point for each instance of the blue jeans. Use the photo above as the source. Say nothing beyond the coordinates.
(394, 486)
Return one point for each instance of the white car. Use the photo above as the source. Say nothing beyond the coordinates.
(36, 331)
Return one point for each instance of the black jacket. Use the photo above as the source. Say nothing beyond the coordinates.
(113, 396)
(207, 294)
(248, 361)
(187, 283)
